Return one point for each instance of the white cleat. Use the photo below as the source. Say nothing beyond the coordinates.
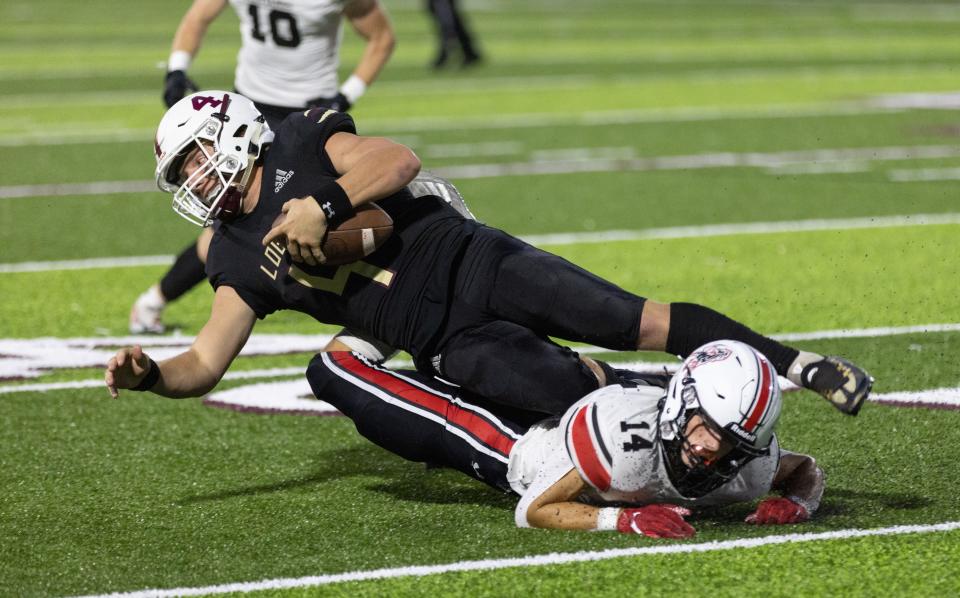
(146, 313)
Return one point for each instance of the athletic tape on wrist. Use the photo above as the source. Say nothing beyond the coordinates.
(179, 61)
(353, 88)
(150, 380)
(334, 202)
(607, 518)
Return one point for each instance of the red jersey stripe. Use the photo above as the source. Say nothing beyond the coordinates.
(586, 453)
(475, 425)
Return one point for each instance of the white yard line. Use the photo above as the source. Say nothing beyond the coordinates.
(806, 158)
(88, 264)
(597, 159)
(501, 121)
(558, 239)
(27, 358)
(924, 174)
(876, 105)
(865, 332)
(62, 189)
(745, 228)
(538, 561)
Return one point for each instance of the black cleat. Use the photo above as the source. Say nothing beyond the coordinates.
(837, 380)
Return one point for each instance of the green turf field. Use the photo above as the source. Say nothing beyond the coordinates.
(793, 164)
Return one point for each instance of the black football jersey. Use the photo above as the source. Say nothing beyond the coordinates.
(398, 294)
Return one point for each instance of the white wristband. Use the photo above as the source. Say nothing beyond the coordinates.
(179, 61)
(353, 88)
(607, 518)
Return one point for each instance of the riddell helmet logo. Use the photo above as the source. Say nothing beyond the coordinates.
(156, 148)
(739, 432)
(708, 355)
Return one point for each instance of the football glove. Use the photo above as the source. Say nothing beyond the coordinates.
(656, 521)
(338, 102)
(778, 511)
(176, 86)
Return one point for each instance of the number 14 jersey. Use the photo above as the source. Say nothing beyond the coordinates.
(611, 438)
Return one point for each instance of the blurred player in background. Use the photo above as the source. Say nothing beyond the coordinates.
(634, 456)
(452, 32)
(288, 61)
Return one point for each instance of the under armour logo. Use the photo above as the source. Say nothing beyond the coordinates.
(328, 209)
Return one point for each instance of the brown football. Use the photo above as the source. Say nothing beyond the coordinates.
(354, 238)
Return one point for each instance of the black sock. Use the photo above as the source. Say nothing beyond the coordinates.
(692, 325)
(185, 273)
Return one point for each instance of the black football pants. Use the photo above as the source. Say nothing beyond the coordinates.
(509, 298)
(420, 418)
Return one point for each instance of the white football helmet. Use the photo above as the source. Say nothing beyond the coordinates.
(735, 388)
(231, 134)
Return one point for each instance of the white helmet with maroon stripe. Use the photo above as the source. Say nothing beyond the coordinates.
(231, 134)
(735, 388)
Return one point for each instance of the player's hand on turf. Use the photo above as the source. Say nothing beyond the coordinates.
(176, 86)
(338, 102)
(126, 369)
(656, 521)
(778, 511)
(304, 227)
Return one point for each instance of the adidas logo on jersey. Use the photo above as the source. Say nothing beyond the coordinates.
(282, 177)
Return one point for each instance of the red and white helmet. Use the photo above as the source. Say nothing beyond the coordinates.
(734, 388)
(231, 133)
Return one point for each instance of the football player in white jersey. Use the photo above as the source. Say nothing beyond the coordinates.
(288, 61)
(634, 457)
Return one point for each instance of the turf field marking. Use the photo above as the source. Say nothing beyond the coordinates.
(877, 105)
(698, 161)
(501, 121)
(924, 174)
(537, 561)
(597, 159)
(60, 190)
(557, 239)
(30, 358)
(742, 228)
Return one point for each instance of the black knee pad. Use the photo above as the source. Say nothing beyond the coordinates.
(511, 365)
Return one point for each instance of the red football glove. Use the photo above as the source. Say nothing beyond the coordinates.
(778, 511)
(656, 521)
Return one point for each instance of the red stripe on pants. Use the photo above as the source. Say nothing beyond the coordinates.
(488, 434)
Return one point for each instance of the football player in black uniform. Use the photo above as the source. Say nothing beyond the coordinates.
(470, 303)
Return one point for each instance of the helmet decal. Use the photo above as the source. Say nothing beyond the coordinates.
(707, 354)
(735, 389)
(231, 133)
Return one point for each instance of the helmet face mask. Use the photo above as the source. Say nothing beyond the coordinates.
(225, 134)
(734, 390)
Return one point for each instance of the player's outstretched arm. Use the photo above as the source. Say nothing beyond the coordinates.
(195, 371)
(800, 482)
(556, 508)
